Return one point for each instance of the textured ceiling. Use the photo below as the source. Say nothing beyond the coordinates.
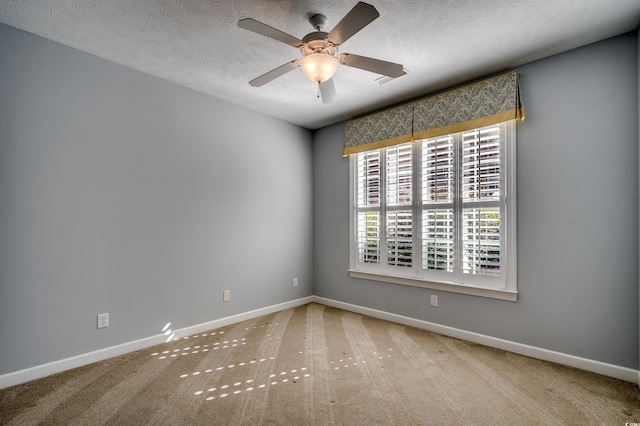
(197, 44)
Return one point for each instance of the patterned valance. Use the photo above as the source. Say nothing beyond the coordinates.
(476, 105)
(386, 128)
(480, 104)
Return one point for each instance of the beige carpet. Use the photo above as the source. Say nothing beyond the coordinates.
(316, 365)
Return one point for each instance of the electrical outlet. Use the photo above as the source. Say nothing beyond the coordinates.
(226, 296)
(295, 282)
(103, 320)
(434, 300)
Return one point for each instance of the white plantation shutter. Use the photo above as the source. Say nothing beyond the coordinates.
(368, 197)
(438, 247)
(369, 237)
(400, 175)
(400, 238)
(438, 188)
(399, 191)
(435, 212)
(481, 164)
(481, 225)
(438, 176)
(369, 189)
(481, 241)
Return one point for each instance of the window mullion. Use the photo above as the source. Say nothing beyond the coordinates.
(384, 251)
(417, 208)
(504, 191)
(457, 206)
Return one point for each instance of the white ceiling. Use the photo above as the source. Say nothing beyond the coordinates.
(197, 44)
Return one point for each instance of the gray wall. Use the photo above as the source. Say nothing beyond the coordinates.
(126, 194)
(123, 193)
(577, 155)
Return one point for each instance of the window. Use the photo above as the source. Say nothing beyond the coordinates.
(438, 213)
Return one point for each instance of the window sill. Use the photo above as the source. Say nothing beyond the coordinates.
(509, 295)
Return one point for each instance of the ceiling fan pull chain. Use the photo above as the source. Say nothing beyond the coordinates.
(318, 96)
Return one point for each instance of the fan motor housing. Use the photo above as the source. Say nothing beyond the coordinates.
(315, 43)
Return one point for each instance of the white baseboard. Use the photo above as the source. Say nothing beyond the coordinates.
(44, 370)
(39, 371)
(615, 371)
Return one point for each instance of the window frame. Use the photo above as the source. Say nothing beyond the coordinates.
(415, 275)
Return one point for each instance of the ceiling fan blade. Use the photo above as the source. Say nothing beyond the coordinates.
(377, 66)
(328, 91)
(275, 73)
(359, 17)
(267, 31)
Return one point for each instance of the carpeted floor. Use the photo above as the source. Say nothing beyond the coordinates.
(315, 365)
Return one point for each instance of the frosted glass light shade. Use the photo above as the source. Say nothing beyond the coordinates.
(319, 67)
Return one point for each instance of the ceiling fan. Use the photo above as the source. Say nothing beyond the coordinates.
(320, 50)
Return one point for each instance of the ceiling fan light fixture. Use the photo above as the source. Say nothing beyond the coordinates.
(319, 67)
